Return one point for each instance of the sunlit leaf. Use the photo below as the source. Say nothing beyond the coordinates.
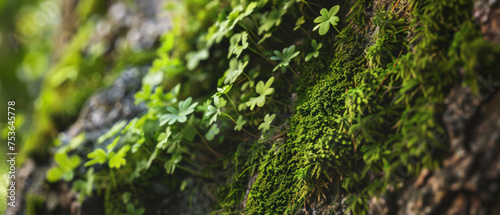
(263, 90)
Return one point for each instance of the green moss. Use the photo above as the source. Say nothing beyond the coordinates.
(34, 204)
(372, 113)
(317, 146)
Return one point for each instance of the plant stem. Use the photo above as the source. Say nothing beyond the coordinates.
(256, 52)
(225, 114)
(339, 31)
(281, 103)
(294, 72)
(251, 81)
(307, 34)
(112, 177)
(205, 142)
(234, 106)
(190, 171)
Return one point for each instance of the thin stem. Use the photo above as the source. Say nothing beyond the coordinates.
(309, 6)
(339, 31)
(286, 33)
(234, 106)
(281, 103)
(256, 52)
(395, 6)
(190, 171)
(112, 177)
(225, 114)
(317, 5)
(294, 72)
(246, 29)
(251, 81)
(307, 34)
(254, 20)
(205, 142)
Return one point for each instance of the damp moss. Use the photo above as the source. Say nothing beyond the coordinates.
(377, 110)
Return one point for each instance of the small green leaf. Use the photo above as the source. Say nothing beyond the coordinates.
(194, 58)
(97, 156)
(132, 211)
(264, 90)
(117, 160)
(212, 111)
(112, 132)
(236, 67)
(170, 164)
(315, 52)
(239, 123)
(235, 47)
(285, 57)
(326, 19)
(178, 115)
(163, 138)
(224, 90)
(264, 126)
(113, 144)
(54, 174)
(214, 130)
(270, 20)
(299, 22)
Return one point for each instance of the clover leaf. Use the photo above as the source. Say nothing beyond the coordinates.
(299, 23)
(217, 31)
(285, 57)
(178, 115)
(267, 123)
(263, 90)
(315, 52)
(214, 130)
(170, 164)
(235, 47)
(215, 111)
(65, 167)
(193, 58)
(112, 132)
(65, 162)
(219, 102)
(117, 159)
(163, 138)
(270, 20)
(132, 211)
(239, 123)
(97, 156)
(236, 67)
(84, 187)
(327, 18)
(223, 90)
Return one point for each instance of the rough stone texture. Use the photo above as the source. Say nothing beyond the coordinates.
(487, 14)
(469, 181)
(460, 187)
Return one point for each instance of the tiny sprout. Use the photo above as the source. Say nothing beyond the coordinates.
(315, 52)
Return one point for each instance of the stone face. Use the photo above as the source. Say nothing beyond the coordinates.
(468, 182)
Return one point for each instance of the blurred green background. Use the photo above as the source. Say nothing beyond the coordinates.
(26, 34)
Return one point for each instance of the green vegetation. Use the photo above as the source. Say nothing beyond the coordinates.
(367, 108)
